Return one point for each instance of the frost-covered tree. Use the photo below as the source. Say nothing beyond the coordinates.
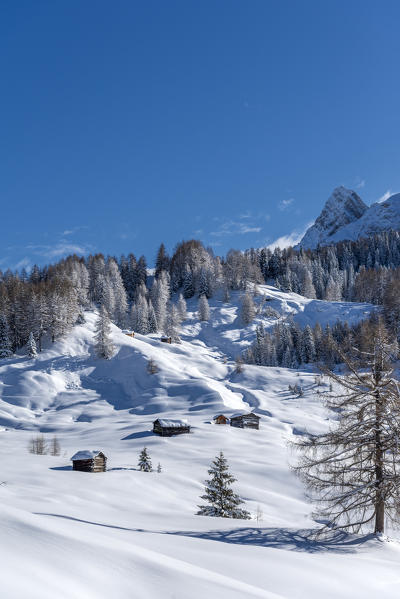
(152, 319)
(55, 447)
(203, 309)
(162, 260)
(103, 344)
(31, 346)
(5, 343)
(353, 470)
(172, 323)
(182, 308)
(144, 463)
(247, 309)
(222, 501)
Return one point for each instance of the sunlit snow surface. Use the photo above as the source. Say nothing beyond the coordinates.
(128, 534)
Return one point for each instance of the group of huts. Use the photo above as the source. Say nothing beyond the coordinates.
(90, 460)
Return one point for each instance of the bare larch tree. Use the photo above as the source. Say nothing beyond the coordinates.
(353, 471)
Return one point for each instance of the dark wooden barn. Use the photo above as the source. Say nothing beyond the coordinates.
(246, 420)
(166, 339)
(168, 428)
(89, 460)
(221, 419)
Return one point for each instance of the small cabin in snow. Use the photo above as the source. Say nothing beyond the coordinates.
(89, 460)
(166, 339)
(129, 333)
(168, 428)
(221, 419)
(246, 420)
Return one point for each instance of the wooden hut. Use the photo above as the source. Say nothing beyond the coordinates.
(166, 339)
(129, 333)
(246, 420)
(89, 460)
(221, 419)
(168, 428)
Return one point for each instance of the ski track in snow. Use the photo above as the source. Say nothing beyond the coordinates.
(126, 533)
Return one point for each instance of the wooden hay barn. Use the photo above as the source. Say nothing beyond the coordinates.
(166, 339)
(221, 419)
(89, 460)
(246, 420)
(168, 428)
(129, 333)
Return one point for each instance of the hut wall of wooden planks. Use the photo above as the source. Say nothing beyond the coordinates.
(168, 428)
(89, 460)
(246, 420)
(221, 419)
(166, 339)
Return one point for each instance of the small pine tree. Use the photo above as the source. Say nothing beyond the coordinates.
(223, 502)
(31, 346)
(238, 365)
(104, 346)
(152, 367)
(159, 469)
(144, 461)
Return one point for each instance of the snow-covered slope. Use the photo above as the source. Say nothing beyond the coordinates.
(125, 533)
(346, 217)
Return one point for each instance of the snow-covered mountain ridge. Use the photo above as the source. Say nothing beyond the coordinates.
(346, 217)
(129, 533)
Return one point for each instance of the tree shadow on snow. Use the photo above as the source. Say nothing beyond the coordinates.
(273, 538)
(283, 538)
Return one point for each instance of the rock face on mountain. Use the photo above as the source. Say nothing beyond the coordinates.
(343, 208)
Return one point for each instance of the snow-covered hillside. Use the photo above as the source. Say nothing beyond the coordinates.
(127, 533)
(346, 217)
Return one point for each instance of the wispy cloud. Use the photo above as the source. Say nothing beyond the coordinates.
(359, 183)
(291, 239)
(24, 263)
(74, 230)
(385, 196)
(58, 249)
(232, 227)
(285, 204)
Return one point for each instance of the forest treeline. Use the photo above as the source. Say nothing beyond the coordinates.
(51, 299)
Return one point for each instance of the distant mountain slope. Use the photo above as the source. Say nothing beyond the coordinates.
(346, 217)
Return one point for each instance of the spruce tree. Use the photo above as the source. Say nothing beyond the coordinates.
(247, 310)
(144, 463)
(104, 346)
(223, 502)
(5, 344)
(31, 346)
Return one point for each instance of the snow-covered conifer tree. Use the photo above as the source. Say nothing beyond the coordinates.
(182, 308)
(222, 501)
(31, 346)
(104, 346)
(172, 323)
(203, 309)
(144, 463)
(247, 310)
(5, 344)
(152, 319)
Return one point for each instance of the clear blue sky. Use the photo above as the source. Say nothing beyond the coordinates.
(128, 123)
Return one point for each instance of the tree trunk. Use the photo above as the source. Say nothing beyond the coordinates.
(379, 499)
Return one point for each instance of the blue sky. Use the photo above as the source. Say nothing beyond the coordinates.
(124, 124)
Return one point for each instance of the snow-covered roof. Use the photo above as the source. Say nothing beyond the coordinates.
(86, 454)
(171, 423)
(240, 414)
(127, 331)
